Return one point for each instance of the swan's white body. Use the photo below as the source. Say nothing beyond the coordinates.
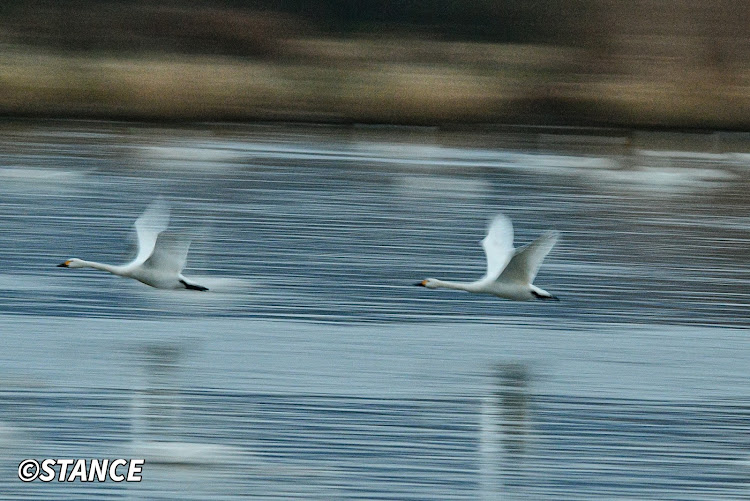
(510, 272)
(161, 256)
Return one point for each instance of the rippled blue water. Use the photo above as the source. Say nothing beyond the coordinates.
(314, 368)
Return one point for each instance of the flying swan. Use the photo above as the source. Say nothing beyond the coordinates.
(161, 255)
(510, 272)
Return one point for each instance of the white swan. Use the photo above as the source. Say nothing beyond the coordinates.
(510, 272)
(161, 255)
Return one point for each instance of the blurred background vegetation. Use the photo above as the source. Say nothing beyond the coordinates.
(645, 63)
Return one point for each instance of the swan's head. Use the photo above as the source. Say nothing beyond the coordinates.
(430, 283)
(72, 263)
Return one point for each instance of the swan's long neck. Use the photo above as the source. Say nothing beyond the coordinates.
(461, 286)
(115, 270)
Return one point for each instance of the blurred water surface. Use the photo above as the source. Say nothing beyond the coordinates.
(314, 369)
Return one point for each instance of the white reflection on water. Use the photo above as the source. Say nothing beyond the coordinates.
(438, 411)
(442, 186)
(314, 369)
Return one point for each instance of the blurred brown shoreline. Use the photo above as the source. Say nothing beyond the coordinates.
(662, 65)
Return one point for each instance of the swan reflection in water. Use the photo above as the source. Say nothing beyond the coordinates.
(157, 413)
(504, 428)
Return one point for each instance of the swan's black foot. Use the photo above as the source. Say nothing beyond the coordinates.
(193, 287)
(546, 298)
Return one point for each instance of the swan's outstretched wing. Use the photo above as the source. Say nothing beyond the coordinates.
(153, 221)
(170, 253)
(498, 245)
(526, 261)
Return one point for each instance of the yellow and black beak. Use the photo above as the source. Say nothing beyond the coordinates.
(64, 265)
(423, 283)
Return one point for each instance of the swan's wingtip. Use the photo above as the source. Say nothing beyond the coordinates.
(552, 235)
(499, 218)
